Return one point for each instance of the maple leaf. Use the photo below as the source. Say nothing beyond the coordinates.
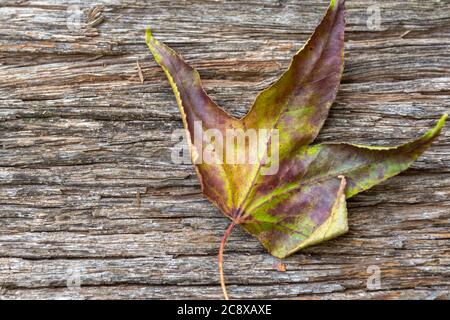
(304, 203)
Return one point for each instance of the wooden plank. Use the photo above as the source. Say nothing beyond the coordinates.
(81, 137)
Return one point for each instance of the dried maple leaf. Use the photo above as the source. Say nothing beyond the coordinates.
(304, 203)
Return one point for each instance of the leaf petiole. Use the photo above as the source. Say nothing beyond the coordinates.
(221, 249)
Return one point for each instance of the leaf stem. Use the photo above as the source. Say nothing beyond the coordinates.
(221, 249)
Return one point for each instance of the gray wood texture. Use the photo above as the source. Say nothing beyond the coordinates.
(92, 207)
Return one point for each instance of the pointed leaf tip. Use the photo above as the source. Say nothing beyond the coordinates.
(437, 128)
(335, 3)
(443, 119)
(148, 35)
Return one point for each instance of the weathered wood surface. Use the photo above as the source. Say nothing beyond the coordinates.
(81, 138)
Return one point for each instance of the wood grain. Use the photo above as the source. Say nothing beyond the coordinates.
(91, 205)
